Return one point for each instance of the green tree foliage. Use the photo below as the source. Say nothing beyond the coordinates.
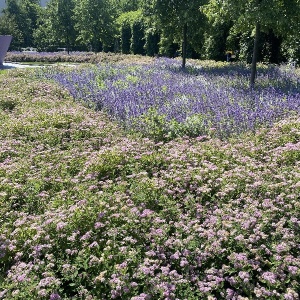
(44, 35)
(258, 16)
(152, 40)
(195, 28)
(291, 46)
(13, 13)
(56, 26)
(137, 39)
(123, 6)
(280, 15)
(20, 20)
(125, 33)
(30, 9)
(64, 23)
(95, 23)
(132, 32)
(215, 40)
(179, 21)
(8, 26)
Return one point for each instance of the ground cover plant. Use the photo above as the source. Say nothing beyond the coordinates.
(88, 211)
(161, 101)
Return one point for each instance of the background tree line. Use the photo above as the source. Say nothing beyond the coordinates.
(203, 29)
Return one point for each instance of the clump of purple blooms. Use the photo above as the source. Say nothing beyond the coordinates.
(90, 212)
(162, 101)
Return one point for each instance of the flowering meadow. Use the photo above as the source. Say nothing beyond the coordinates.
(161, 101)
(89, 210)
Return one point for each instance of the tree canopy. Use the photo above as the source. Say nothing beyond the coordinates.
(260, 16)
(197, 28)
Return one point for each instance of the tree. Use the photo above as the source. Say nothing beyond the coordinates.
(281, 16)
(152, 39)
(123, 6)
(95, 23)
(132, 32)
(291, 47)
(45, 35)
(23, 14)
(125, 33)
(178, 18)
(215, 40)
(31, 10)
(62, 21)
(56, 26)
(8, 26)
(14, 16)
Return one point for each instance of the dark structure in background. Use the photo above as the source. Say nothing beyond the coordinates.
(4, 45)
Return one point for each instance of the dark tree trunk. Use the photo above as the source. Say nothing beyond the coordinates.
(254, 56)
(184, 45)
(68, 43)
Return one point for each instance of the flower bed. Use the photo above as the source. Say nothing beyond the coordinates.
(161, 101)
(90, 212)
(71, 57)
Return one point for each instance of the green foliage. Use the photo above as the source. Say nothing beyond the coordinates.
(95, 23)
(137, 44)
(180, 25)
(8, 26)
(21, 18)
(104, 215)
(277, 21)
(132, 31)
(125, 38)
(124, 6)
(152, 39)
(62, 24)
(215, 44)
(205, 28)
(155, 125)
(291, 48)
(45, 34)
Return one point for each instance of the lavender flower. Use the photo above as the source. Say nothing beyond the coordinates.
(54, 296)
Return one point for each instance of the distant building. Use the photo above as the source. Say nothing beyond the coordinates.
(4, 45)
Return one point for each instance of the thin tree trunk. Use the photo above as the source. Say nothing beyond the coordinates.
(184, 42)
(68, 43)
(254, 56)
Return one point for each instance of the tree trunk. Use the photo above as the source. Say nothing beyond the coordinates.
(68, 43)
(254, 56)
(184, 42)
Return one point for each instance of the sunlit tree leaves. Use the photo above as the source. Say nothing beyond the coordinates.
(179, 20)
(95, 23)
(280, 16)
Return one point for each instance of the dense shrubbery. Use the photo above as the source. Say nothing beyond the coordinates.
(89, 212)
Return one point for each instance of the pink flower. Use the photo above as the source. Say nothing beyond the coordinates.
(293, 270)
(269, 276)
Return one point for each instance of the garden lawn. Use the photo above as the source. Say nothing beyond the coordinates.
(88, 211)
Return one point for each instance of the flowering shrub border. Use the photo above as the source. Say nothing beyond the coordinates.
(90, 212)
(162, 101)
